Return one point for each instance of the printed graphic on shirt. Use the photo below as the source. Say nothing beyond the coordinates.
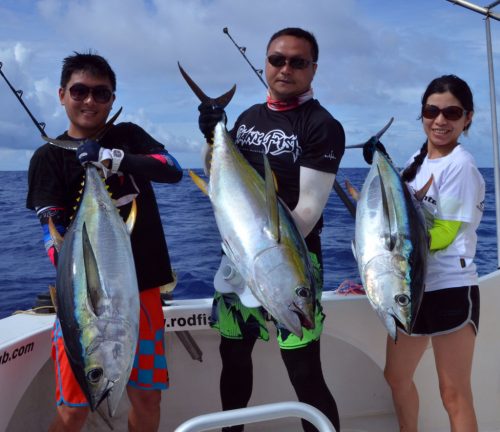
(275, 142)
(480, 206)
(330, 156)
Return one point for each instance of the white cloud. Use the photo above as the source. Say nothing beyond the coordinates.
(20, 53)
(375, 60)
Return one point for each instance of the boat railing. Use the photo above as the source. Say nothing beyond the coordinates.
(255, 414)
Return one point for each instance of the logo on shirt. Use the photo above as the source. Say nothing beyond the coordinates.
(330, 156)
(430, 200)
(274, 142)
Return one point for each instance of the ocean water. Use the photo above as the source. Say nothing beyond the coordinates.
(192, 237)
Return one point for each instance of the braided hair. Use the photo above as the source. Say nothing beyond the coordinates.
(446, 83)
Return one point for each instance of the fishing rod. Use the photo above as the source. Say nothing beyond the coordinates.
(242, 50)
(338, 189)
(19, 96)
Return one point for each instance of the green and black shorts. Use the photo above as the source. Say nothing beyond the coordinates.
(234, 320)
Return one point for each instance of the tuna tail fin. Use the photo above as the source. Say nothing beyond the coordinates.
(375, 138)
(273, 223)
(420, 194)
(109, 124)
(73, 145)
(222, 101)
(198, 181)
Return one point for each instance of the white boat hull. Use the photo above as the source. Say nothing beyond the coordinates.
(352, 352)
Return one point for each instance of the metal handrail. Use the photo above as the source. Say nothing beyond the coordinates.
(256, 414)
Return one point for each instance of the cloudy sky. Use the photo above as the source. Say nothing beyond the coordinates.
(376, 58)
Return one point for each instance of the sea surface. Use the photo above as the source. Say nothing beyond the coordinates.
(192, 237)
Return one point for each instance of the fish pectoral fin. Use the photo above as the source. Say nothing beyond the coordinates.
(132, 217)
(352, 190)
(390, 217)
(353, 249)
(273, 220)
(94, 288)
(54, 234)
(198, 181)
(420, 194)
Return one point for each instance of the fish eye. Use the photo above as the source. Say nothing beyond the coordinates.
(94, 375)
(402, 299)
(303, 292)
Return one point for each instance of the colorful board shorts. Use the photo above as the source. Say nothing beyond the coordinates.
(149, 371)
(447, 310)
(233, 320)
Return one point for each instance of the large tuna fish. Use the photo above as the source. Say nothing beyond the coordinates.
(390, 245)
(258, 232)
(97, 294)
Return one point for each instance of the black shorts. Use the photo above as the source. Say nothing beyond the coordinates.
(447, 310)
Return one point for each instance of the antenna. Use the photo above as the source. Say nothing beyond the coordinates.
(486, 11)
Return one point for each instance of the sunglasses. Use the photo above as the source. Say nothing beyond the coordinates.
(450, 113)
(279, 60)
(101, 94)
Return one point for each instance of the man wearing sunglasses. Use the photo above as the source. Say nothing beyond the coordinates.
(304, 145)
(131, 159)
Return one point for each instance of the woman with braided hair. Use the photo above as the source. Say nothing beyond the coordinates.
(449, 313)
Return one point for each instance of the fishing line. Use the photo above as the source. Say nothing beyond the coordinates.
(19, 95)
(340, 192)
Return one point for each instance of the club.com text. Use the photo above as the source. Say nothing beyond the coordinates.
(18, 352)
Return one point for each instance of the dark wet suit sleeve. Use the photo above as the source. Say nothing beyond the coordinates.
(144, 155)
(160, 167)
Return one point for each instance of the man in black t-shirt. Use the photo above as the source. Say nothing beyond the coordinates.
(304, 145)
(133, 159)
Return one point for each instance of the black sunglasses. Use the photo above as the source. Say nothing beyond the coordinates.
(450, 112)
(279, 60)
(101, 93)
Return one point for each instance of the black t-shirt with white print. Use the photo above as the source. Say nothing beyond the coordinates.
(55, 178)
(307, 136)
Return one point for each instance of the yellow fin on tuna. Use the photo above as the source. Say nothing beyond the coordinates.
(54, 234)
(132, 217)
(352, 190)
(198, 181)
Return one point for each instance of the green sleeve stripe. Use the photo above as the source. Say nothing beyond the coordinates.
(443, 233)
